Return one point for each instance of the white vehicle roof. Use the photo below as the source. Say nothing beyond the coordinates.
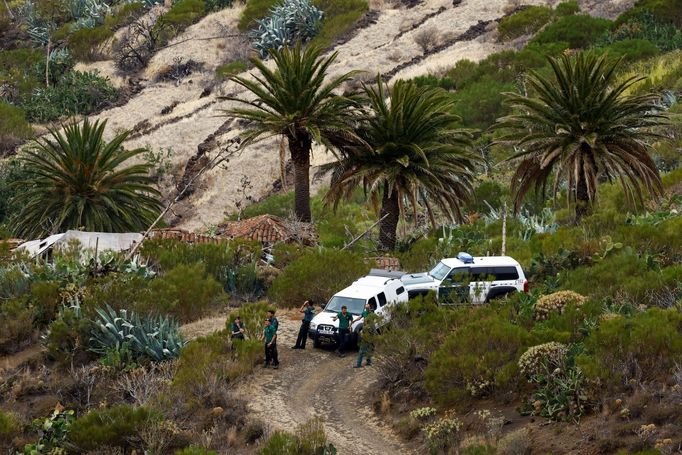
(365, 287)
(482, 260)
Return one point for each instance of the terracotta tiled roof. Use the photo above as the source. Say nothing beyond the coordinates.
(387, 262)
(182, 235)
(268, 229)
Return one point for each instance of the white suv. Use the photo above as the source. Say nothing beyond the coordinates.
(380, 289)
(467, 279)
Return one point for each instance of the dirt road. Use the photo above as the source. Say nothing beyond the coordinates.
(316, 383)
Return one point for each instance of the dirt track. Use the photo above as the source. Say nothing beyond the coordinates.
(317, 383)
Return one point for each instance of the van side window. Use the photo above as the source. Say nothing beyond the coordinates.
(460, 275)
(506, 273)
(400, 290)
(479, 273)
(382, 299)
(372, 303)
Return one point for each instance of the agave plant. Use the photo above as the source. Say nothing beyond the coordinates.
(155, 337)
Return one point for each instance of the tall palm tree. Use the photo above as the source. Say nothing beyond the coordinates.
(293, 100)
(76, 179)
(413, 151)
(580, 127)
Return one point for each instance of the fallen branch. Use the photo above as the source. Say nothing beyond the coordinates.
(222, 156)
(364, 233)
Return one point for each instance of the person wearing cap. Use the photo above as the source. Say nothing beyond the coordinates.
(345, 319)
(270, 339)
(308, 310)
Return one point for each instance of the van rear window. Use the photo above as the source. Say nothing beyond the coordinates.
(400, 290)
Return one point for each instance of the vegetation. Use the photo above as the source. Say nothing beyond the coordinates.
(410, 150)
(525, 22)
(299, 105)
(582, 127)
(74, 180)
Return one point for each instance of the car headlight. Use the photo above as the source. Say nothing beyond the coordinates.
(313, 326)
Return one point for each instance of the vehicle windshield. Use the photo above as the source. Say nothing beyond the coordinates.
(439, 272)
(355, 306)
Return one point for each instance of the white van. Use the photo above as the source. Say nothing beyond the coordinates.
(380, 289)
(467, 279)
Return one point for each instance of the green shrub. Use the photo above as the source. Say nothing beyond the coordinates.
(16, 323)
(480, 103)
(430, 80)
(14, 128)
(567, 8)
(46, 298)
(195, 451)
(571, 325)
(217, 5)
(317, 275)
(643, 347)
(10, 426)
(254, 10)
(53, 432)
(477, 359)
(230, 69)
(116, 426)
(646, 26)
(120, 292)
(67, 338)
(668, 11)
(76, 93)
(309, 439)
(185, 292)
(181, 15)
(252, 315)
(340, 17)
(580, 31)
(632, 49)
(525, 22)
(84, 43)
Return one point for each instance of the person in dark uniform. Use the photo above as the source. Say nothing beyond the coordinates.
(270, 339)
(308, 310)
(345, 319)
(274, 323)
(273, 320)
(237, 331)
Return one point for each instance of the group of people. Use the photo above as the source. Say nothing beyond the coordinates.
(271, 325)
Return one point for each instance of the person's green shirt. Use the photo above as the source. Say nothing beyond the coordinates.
(344, 320)
(274, 323)
(308, 314)
(365, 313)
(269, 333)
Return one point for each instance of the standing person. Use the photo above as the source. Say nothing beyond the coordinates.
(366, 312)
(270, 339)
(308, 310)
(274, 323)
(345, 319)
(366, 347)
(237, 330)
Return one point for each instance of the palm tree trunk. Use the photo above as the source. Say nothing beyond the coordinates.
(582, 197)
(299, 147)
(390, 209)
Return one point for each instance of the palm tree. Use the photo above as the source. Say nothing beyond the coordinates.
(294, 101)
(580, 128)
(77, 180)
(413, 152)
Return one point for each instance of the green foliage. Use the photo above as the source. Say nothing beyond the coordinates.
(68, 336)
(181, 15)
(430, 80)
(664, 36)
(667, 11)
(116, 426)
(16, 323)
(46, 298)
(195, 451)
(157, 338)
(477, 359)
(76, 93)
(632, 49)
(287, 22)
(230, 69)
(479, 104)
(186, 292)
(217, 5)
(10, 426)
(580, 31)
(340, 17)
(317, 275)
(53, 432)
(14, 128)
(309, 439)
(643, 347)
(84, 43)
(93, 189)
(254, 10)
(567, 8)
(525, 22)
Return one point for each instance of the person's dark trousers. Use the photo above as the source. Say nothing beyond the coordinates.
(302, 335)
(268, 354)
(343, 339)
(273, 354)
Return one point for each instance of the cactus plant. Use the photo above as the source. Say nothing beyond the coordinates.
(290, 21)
(155, 337)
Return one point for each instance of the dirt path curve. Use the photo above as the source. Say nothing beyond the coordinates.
(317, 383)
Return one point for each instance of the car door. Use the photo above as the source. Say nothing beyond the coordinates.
(454, 288)
(479, 286)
